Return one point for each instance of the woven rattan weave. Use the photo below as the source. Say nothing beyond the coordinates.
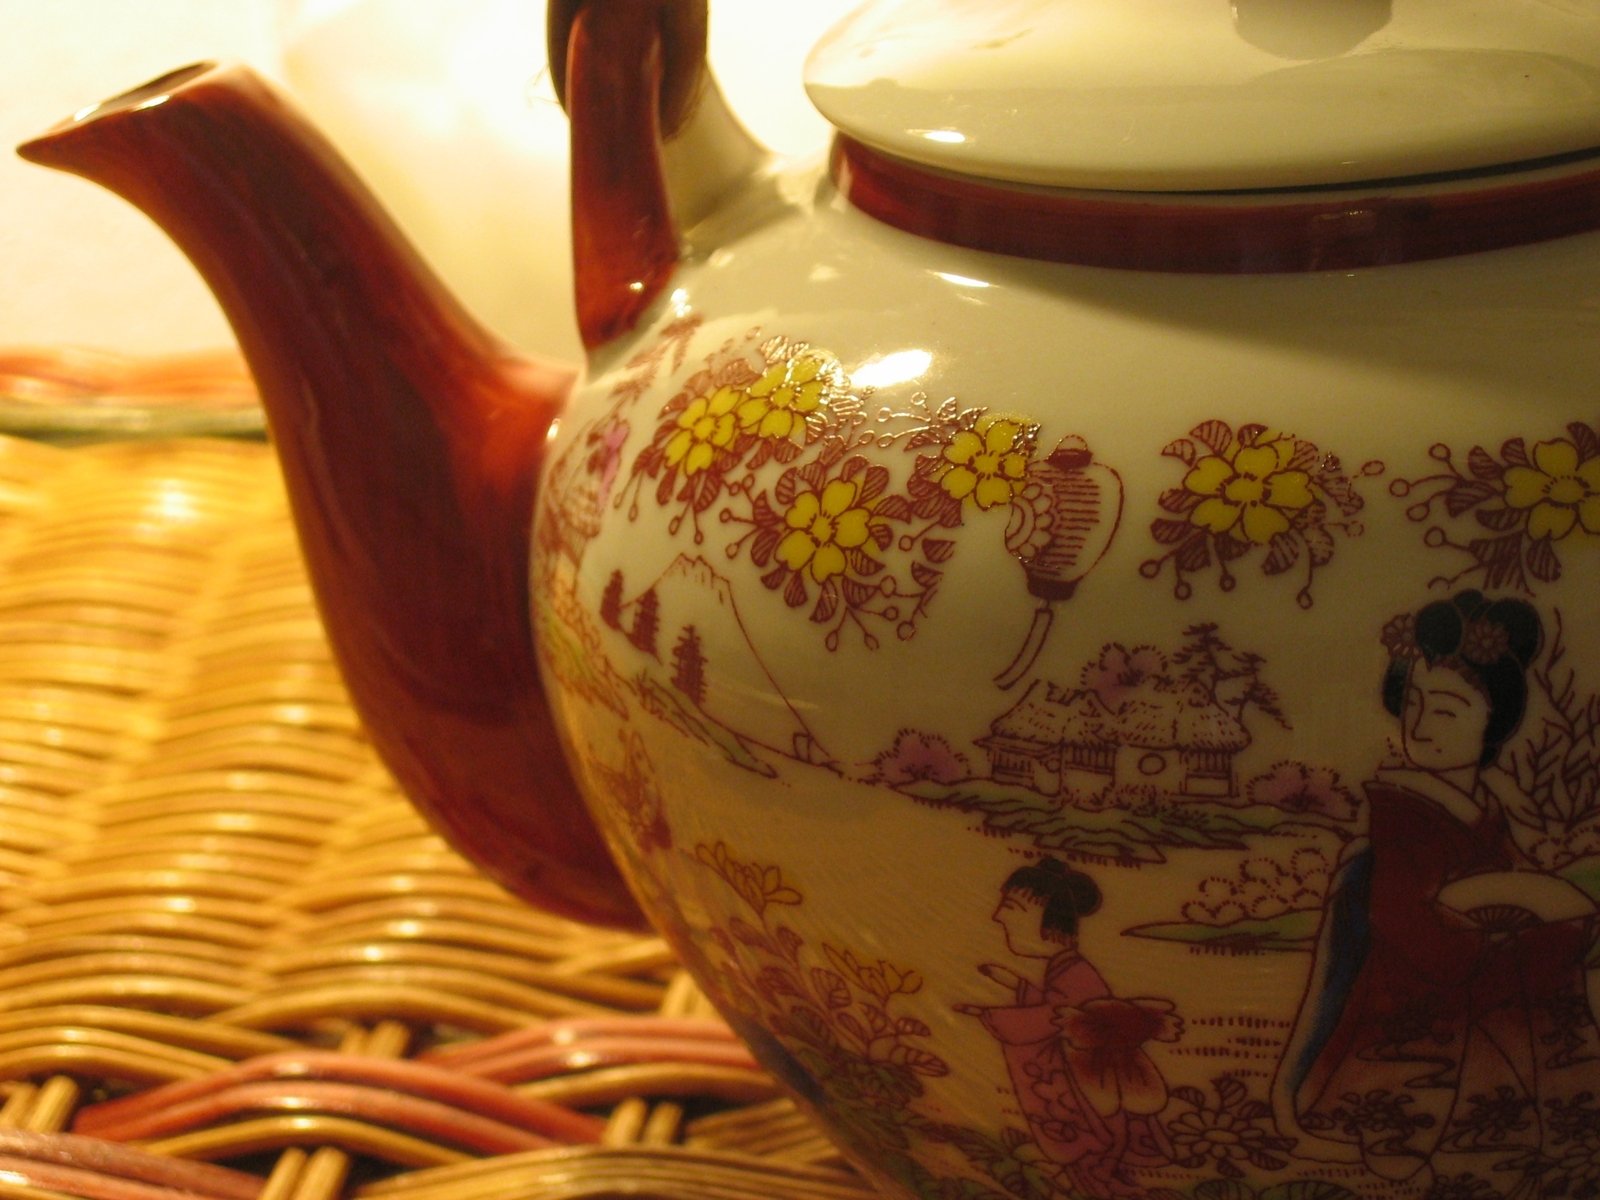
(233, 963)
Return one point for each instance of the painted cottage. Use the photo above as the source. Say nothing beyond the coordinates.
(1171, 736)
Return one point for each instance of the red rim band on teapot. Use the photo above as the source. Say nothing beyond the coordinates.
(1218, 234)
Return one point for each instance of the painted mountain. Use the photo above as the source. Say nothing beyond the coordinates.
(697, 657)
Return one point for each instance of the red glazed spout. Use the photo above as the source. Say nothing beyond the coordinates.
(410, 442)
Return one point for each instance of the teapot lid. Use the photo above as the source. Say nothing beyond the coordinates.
(1188, 95)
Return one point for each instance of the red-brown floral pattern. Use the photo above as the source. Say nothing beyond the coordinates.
(1256, 492)
(1531, 505)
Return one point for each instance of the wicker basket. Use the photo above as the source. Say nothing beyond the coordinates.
(233, 962)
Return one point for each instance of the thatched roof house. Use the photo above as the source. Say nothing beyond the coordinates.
(1167, 734)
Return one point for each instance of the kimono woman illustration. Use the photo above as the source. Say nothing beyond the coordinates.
(1074, 1052)
(1446, 1019)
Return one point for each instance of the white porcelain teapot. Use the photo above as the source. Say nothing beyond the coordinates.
(1076, 617)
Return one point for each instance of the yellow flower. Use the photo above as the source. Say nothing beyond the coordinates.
(987, 464)
(776, 405)
(1559, 491)
(704, 427)
(822, 526)
(1250, 494)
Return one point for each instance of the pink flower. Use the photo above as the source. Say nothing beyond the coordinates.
(1298, 788)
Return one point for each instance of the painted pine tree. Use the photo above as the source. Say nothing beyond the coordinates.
(646, 623)
(689, 666)
(611, 601)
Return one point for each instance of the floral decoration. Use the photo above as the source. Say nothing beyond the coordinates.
(988, 463)
(1299, 787)
(777, 406)
(833, 1013)
(633, 789)
(1228, 1132)
(1104, 1043)
(771, 437)
(1531, 505)
(1253, 491)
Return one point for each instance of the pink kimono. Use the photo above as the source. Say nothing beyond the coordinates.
(1088, 1090)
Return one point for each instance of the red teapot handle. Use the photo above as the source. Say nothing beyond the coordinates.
(630, 74)
(681, 27)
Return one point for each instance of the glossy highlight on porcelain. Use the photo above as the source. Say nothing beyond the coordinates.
(1095, 733)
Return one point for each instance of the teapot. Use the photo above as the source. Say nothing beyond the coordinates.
(1074, 616)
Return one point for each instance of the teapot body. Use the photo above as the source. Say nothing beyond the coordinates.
(1103, 732)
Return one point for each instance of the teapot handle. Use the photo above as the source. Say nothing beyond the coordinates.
(680, 29)
(629, 73)
(653, 147)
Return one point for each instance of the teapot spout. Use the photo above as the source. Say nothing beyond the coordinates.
(410, 441)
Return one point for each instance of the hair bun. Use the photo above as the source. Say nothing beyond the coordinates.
(1083, 891)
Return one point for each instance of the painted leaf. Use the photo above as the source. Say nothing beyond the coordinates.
(851, 1027)
(1231, 1092)
(926, 576)
(764, 452)
(764, 545)
(1230, 549)
(1543, 564)
(1319, 544)
(1169, 532)
(911, 1027)
(794, 592)
(919, 1060)
(1501, 558)
(1482, 465)
(1182, 449)
(775, 981)
(1585, 439)
(874, 485)
(831, 987)
(856, 593)
(882, 537)
(1216, 436)
(775, 577)
(707, 487)
(938, 549)
(1193, 555)
(1178, 500)
(1305, 458)
(812, 1025)
(1223, 1189)
(1515, 453)
(1283, 551)
(763, 513)
(827, 603)
(1341, 491)
(861, 563)
(1467, 494)
(1501, 518)
(786, 452)
(789, 941)
(749, 934)
(893, 508)
(788, 487)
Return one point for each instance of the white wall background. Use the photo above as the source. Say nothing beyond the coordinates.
(441, 104)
